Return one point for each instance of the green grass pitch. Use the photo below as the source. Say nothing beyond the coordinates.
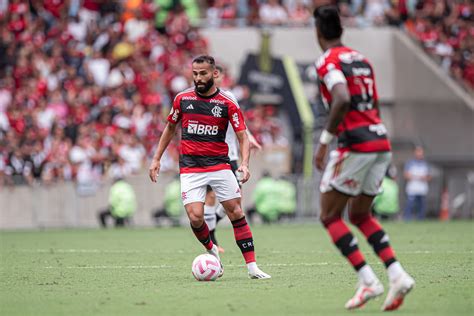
(148, 272)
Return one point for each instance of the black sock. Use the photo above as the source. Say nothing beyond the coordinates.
(212, 233)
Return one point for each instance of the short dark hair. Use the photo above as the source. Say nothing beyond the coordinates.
(205, 59)
(220, 68)
(328, 22)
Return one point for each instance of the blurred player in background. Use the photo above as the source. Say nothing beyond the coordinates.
(355, 170)
(214, 213)
(205, 113)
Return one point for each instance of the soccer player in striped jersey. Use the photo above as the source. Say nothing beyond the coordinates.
(205, 112)
(214, 213)
(355, 170)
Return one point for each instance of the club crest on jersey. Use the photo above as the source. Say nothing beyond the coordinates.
(217, 111)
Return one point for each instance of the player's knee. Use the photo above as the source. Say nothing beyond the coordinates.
(196, 221)
(328, 218)
(357, 218)
(195, 218)
(235, 212)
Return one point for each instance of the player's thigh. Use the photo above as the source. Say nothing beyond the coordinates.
(193, 187)
(360, 206)
(346, 172)
(225, 185)
(376, 173)
(333, 204)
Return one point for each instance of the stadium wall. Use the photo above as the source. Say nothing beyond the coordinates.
(59, 205)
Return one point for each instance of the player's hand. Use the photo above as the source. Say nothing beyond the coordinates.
(245, 173)
(320, 157)
(154, 170)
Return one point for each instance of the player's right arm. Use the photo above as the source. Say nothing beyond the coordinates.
(336, 83)
(170, 130)
(165, 139)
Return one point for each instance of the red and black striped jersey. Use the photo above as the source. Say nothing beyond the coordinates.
(362, 129)
(204, 123)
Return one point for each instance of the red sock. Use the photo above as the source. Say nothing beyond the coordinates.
(202, 234)
(243, 237)
(377, 238)
(345, 241)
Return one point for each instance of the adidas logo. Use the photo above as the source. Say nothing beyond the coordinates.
(384, 239)
(190, 107)
(353, 242)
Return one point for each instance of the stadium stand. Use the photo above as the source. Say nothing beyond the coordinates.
(82, 87)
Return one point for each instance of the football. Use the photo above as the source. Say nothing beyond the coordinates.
(206, 267)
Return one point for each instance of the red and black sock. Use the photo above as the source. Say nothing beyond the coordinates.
(345, 241)
(376, 237)
(243, 237)
(202, 234)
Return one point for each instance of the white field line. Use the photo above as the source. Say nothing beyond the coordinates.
(164, 266)
(124, 251)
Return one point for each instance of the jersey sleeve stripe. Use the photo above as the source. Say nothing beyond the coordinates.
(183, 92)
(230, 97)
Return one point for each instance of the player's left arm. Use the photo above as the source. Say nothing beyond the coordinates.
(238, 124)
(341, 99)
(245, 154)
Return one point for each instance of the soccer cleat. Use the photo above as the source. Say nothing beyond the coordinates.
(258, 274)
(397, 291)
(364, 293)
(215, 252)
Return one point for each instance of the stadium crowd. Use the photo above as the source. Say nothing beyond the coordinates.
(82, 87)
(83, 83)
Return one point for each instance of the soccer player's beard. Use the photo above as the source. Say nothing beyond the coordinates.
(207, 86)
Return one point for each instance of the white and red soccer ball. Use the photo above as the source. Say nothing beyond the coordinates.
(206, 267)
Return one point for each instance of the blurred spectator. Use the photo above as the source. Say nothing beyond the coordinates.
(266, 205)
(286, 197)
(272, 13)
(122, 204)
(133, 153)
(417, 176)
(83, 155)
(18, 168)
(265, 125)
(222, 13)
(300, 14)
(386, 204)
(173, 204)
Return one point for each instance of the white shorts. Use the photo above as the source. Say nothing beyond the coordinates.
(354, 173)
(223, 182)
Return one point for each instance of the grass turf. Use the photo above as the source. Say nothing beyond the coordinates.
(148, 272)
